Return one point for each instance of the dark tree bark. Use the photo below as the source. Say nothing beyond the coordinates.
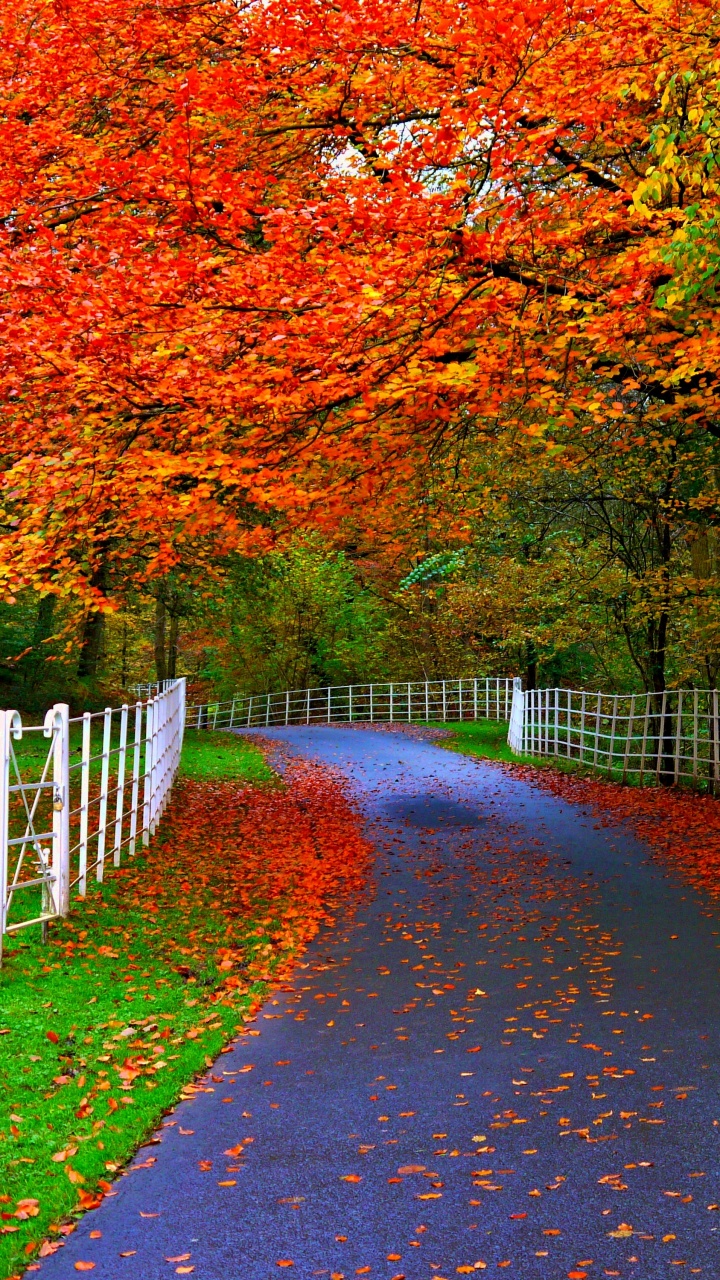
(173, 646)
(530, 665)
(93, 630)
(160, 619)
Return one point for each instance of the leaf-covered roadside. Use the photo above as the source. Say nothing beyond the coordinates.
(680, 826)
(140, 988)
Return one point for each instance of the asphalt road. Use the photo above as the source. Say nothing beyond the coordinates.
(505, 1057)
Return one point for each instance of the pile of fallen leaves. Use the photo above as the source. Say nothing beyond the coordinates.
(679, 825)
(292, 854)
(148, 978)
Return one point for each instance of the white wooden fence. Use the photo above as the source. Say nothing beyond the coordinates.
(407, 701)
(671, 737)
(75, 792)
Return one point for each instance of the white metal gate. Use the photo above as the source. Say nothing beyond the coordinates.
(62, 817)
(647, 738)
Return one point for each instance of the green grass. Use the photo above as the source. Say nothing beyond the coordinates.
(487, 739)
(484, 738)
(223, 755)
(131, 977)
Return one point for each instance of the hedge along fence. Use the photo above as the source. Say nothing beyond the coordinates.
(406, 701)
(647, 738)
(77, 791)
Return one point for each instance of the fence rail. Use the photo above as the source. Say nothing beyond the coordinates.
(407, 701)
(670, 737)
(77, 791)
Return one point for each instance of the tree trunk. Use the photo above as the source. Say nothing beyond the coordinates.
(160, 662)
(173, 646)
(658, 654)
(43, 622)
(124, 656)
(93, 631)
(41, 632)
(530, 665)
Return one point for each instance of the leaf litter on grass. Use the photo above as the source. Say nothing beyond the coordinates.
(142, 985)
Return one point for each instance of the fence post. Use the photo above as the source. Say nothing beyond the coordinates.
(628, 739)
(267, 711)
(444, 702)
(249, 719)
(391, 701)
(695, 735)
(56, 726)
(611, 753)
(104, 778)
(329, 703)
(646, 725)
(287, 708)
(232, 714)
(147, 762)
(557, 717)
(597, 729)
(371, 704)
(427, 701)
(350, 706)
(716, 743)
(6, 720)
(583, 705)
(460, 702)
(661, 737)
(409, 704)
(678, 738)
(84, 801)
(120, 799)
(137, 744)
(475, 716)
(569, 724)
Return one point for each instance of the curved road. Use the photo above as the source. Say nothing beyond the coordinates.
(506, 1058)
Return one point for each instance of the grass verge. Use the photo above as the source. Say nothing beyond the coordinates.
(143, 984)
(223, 755)
(487, 739)
(484, 738)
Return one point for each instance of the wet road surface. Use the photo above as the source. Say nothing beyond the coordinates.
(505, 1059)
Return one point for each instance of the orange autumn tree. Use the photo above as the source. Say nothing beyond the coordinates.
(271, 259)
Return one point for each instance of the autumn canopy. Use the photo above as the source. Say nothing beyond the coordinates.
(350, 266)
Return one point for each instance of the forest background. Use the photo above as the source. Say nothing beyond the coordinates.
(344, 344)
